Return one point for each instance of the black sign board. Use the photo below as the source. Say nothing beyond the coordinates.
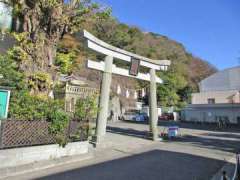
(134, 67)
(236, 175)
(238, 167)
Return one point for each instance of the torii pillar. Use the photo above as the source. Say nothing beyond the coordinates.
(104, 100)
(153, 106)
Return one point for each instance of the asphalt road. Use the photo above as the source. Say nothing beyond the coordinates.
(152, 165)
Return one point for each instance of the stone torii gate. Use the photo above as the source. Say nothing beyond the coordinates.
(108, 68)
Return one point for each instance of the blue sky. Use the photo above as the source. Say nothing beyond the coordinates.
(210, 29)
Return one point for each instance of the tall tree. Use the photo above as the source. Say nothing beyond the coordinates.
(39, 26)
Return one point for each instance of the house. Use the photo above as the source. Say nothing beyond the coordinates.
(219, 98)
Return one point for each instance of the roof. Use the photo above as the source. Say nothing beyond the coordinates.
(225, 80)
(77, 80)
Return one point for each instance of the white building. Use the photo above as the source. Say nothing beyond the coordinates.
(219, 98)
(221, 87)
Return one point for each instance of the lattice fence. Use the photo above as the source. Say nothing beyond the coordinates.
(29, 133)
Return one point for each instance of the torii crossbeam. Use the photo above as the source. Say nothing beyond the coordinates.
(108, 68)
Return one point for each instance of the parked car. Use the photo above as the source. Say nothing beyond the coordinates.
(134, 115)
(166, 116)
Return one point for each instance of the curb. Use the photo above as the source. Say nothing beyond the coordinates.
(41, 165)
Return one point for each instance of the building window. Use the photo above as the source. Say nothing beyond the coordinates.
(211, 101)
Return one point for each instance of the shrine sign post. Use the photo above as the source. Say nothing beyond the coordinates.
(108, 68)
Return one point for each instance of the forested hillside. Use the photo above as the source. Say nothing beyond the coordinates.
(185, 72)
(49, 42)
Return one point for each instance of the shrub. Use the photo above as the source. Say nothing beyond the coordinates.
(87, 108)
(24, 106)
(39, 82)
(65, 61)
(12, 77)
(59, 124)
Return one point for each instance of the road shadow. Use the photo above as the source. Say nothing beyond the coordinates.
(152, 165)
(128, 132)
(200, 126)
(190, 125)
(210, 143)
(206, 141)
(224, 135)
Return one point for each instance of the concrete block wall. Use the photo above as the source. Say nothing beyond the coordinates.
(26, 155)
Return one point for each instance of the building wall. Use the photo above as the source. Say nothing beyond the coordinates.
(219, 96)
(228, 79)
(211, 113)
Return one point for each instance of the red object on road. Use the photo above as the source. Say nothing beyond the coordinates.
(166, 116)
